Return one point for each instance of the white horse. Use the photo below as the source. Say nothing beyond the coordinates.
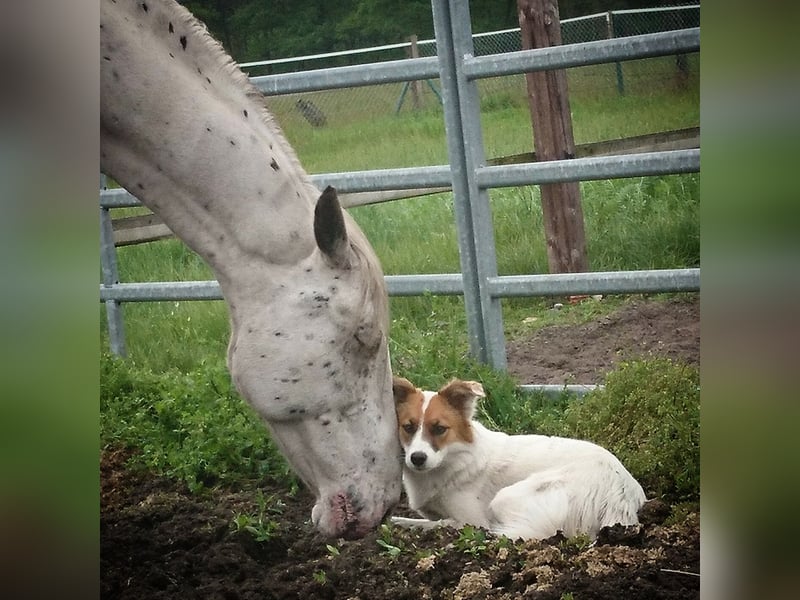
(184, 130)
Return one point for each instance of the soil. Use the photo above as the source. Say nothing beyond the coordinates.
(160, 541)
(583, 354)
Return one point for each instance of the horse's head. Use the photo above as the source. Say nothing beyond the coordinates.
(313, 360)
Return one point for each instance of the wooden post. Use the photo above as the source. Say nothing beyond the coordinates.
(553, 140)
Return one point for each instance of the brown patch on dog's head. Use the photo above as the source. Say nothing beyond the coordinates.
(408, 401)
(463, 395)
(445, 417)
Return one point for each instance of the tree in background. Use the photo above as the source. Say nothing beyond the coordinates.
(260, 30)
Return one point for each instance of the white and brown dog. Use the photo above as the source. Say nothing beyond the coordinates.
(459, 472)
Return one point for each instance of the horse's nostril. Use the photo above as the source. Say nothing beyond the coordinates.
(418, 459)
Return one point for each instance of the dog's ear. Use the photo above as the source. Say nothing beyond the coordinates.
(463, 395)
(401, 388)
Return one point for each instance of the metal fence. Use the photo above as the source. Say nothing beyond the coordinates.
(459, 70)
(327, 107)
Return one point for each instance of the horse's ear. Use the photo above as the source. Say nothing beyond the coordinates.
(330, 231)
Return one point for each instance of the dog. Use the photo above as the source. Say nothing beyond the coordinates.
(458, 472)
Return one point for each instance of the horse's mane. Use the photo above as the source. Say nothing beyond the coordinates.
(221, 69)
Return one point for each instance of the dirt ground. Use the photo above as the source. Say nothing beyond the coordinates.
(159, 541)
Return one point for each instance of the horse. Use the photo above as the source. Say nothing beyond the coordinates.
(184, 130)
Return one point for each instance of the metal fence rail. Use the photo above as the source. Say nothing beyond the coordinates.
(458, 68)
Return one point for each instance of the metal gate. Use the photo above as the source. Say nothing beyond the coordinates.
(467, 174)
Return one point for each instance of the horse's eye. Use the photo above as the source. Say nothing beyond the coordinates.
(409, 428)
(438, 430)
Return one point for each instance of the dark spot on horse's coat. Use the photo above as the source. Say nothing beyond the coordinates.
(232, 143)
(183, 42)
(207, 206)
(171, 55)
(332, 373)
(171, 28)
(244, 112)
(274, 165)
(278, 334)
(260, 192)
(310, 363)
(249, 330)
(140, 186)
(106, 58)
(321, 298)
(263, 355)
(309, 337)
(159, 169)
(277, 397)
(144, 6)
(333, 289)
(326, 422)
(308, 270)
(326, 364)
(114, 74)
(208, 80)
(208, 129)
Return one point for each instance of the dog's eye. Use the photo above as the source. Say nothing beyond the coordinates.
(438, 429)
(409, 428)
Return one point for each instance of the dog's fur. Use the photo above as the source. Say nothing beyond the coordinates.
(457, 472)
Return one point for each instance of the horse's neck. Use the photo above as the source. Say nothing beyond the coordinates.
(183, 130)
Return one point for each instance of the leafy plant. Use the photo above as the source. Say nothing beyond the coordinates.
(259, 524)
(471, 540)
(386, 541)
(648, 414)
(320, 576)
(191, 426)
(391, 550)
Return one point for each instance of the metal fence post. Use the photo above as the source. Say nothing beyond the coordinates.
(108, 265)
(471, 204)
(617, 65)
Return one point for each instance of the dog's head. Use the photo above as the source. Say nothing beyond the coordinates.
(431, 423)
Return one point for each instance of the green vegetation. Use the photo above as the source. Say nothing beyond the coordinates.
(190, 426)
(173, 401)
(263, 524)
(648, 414)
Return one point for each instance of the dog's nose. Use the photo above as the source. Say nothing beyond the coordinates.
(418, 458)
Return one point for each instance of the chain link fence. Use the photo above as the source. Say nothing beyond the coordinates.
(338, 108)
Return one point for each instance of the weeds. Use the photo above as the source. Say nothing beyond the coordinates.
(386, 541)
(192, 426)
(260, 525)
(648, 414)
(471, 540)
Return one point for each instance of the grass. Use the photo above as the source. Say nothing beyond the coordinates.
(173, 400)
